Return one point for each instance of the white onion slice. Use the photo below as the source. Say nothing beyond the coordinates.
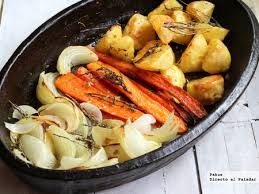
(53, 119)
(23, 110)
(21, 128)
(70, 163)
(166, 133)
(37, 152)
(96, 159)
(17, 153)
(134, 143)
(46, 91)
(63, 142)
(92, 111)
(143, 123)
(74, 55)
(106, 163)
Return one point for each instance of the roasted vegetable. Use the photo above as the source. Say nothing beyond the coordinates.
(123, 48)
(66, 113)
(134, 143)
(105, 43)
(166, 133)
(154, 96)
(207, 90)
(217, 59)
(116, 151)
(158, 81)
(37, 152)
(74, 55)
(23, 111)
(63, 142)
(175, 76)
(140, 29)
(211, 32)
(46, 90)
(162, 26)
(181, 27)
(155, 56)
(201, 11)
(90, 80)
(192, 58)
(104, 136)
(75, 87)
(166, 8)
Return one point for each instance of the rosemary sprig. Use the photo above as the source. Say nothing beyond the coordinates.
(111, 76)
(149, 52)
(114, 100)
(16, 107)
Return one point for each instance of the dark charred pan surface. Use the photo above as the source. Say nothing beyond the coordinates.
(82, 24)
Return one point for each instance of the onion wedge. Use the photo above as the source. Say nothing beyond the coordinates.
(74, 55)
(23, 111)
(143, 123)
(92, 111)
(166, 133)
(134, 143)
(23, 126)
(46, 91)
(37, 152)
(63, 142)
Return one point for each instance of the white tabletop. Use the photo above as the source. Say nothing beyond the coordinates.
(232, 145)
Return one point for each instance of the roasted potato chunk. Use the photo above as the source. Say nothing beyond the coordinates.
(201, 11)
(192, 58)
(104, 44)
(155, 56)
(162, 25)
(123, 48)
(175, 76)
(166, 8)
(217, 59)
(140, 29)
(207, 90)
(211, 32)
(182, 34)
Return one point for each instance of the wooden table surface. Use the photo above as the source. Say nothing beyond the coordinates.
(232, 145)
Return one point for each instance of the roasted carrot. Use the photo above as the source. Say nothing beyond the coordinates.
(182, 113)
(75, 87)
(129, 89)
(158, 81)
(155, 97)
(85, 75)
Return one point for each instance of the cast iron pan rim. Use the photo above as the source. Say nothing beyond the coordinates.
(151, 157)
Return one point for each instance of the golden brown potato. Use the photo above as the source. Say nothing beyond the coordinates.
(111, 35)
(201, 11)
(155, 56)
(182, 34)
(166, 8)
(140, 29)
(175, 76)
(192, 57)
(211, 32)
(207, 90)
(161, 24)
(217, 59)
(123, 48)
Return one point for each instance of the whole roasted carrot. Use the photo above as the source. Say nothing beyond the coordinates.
(155, 97)
(85, 75)
(75, 87)
(182, 113)
(158, 81)
(129, 89)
